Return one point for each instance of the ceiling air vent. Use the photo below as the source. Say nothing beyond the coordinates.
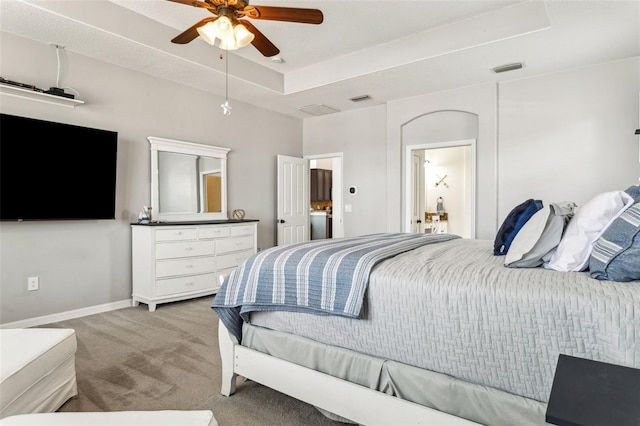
(360, 98)
(317, 109)
(507, 67)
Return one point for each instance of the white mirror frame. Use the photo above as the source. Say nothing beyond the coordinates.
(181, 147)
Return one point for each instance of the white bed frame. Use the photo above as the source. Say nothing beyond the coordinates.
(363, 405)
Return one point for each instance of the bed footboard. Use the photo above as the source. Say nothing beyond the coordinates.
(365, 406)
(227, 344)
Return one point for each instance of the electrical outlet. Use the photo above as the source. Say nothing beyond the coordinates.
(33, 283)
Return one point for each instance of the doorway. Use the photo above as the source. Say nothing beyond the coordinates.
(293, 197)
(332, 207)
(440, 188)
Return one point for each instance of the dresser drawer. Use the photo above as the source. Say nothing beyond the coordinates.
(234, 244)
(176, 234)
(214, 232)
(242, 230)
(187, 249)
(188, 266)
(232, 260)
(185, 284)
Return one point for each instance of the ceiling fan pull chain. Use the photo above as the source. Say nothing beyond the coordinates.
(226, 72)
(226, 108)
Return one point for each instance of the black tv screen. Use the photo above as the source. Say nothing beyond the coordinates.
(55, 171)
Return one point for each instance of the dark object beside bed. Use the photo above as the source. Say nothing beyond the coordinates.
(592, 393)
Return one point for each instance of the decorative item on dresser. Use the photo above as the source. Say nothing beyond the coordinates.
(238, 214)
(181, 260)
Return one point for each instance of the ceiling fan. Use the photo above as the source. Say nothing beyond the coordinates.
(230, 18)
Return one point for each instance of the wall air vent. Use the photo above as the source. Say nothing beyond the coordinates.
(507, 67)
(360, 98)
(317, 109)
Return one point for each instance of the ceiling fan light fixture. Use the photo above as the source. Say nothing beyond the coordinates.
(224, 28)
(208, 32)
(229, 44)
(229, 14)
(242, 36)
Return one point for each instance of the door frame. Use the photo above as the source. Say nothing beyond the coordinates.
(417, 191)
(407, 181)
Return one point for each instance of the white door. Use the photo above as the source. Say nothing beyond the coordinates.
(293, 200)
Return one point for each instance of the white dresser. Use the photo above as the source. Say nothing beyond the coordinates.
(181, 261)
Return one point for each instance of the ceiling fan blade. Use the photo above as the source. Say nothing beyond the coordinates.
(260, 42)
(194, 3)
(192, 32)
(287, 14)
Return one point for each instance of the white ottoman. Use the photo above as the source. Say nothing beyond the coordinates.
(115, 418)
(37, 369)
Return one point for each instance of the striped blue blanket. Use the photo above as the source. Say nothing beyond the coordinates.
(325, 277)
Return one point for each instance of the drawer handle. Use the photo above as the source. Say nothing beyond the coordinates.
(190, 283)
(189, 248)
(189, 266)
(178, 232)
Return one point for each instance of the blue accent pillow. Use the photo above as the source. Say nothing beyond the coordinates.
(514, 221)
(634, 191)
(616, 254)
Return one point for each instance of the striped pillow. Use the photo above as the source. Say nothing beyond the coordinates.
(634, 191)
(616, 254)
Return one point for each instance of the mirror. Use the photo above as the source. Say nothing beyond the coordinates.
(188, 181)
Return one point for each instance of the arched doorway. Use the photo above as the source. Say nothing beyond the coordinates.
(439, 161)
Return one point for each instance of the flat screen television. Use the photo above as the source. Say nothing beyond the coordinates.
(56, 171)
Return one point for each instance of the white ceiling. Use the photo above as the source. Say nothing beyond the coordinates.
(386, 49)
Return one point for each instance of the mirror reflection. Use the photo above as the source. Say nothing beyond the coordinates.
(189, 183)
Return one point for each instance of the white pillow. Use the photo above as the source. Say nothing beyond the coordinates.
(586, 226)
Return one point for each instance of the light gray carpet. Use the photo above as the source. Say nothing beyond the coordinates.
(133, 359)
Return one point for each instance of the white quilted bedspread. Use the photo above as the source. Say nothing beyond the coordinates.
(453, 308)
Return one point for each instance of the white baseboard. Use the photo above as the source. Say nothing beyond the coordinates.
(62, 316)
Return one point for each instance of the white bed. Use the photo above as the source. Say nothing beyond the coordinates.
(448, 336)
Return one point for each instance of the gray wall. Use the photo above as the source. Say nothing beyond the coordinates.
(360, 136)
(569, 136)
(88, 263)
(560, 137)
